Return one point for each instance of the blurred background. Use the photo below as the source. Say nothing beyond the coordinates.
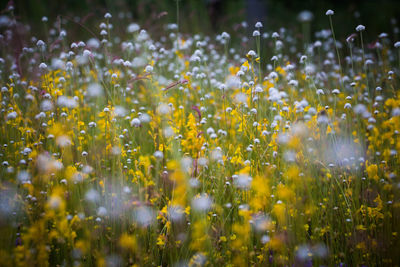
(215, 16)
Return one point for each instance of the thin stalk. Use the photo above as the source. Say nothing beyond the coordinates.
(337, 51)
(364, 65)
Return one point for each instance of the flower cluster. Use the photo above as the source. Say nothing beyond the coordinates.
(179, 150)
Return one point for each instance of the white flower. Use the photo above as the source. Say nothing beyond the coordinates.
(144, 216)
(92, 195)
(176, 213)
(256, 33)
(101, 211)
(259, 89)
(87, 53)
(240, 98)
(158, 154)
(42, 66)
(107, 16)
(133, 27)
(135, 122)
(168, 132)
(40, 43)
(360, 28)
(329, 12)
(23, 176)
(383, 35)
(201, 202)
(251, 53)
(12, 115)
(360, 109)
(240, 73)
(265, 239)
(305, 16)
(396, 112)
(242, 181)
(293, 82)
(93, 43)
(148, 69)
(144, 118)
(210, 130)
(163, 109)
(186, 163)
(119, 111)
(55, 202)
(258, 24)
(369, 62)
(172, 26)
(64, 101)
(94, 90)
(317, 44)
(397, 44)
(57, 63)
(63, 141)
(46, 105)
(225, 35)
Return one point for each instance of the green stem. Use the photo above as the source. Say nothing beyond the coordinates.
(337, 50)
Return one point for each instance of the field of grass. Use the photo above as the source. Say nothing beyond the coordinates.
(192, 150)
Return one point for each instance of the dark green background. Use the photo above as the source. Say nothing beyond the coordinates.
(201, 16)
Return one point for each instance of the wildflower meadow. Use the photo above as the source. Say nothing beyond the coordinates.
(250, 147)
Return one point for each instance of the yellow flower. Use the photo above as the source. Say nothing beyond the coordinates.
(372, 171)
(161, 240)
(128, 242)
